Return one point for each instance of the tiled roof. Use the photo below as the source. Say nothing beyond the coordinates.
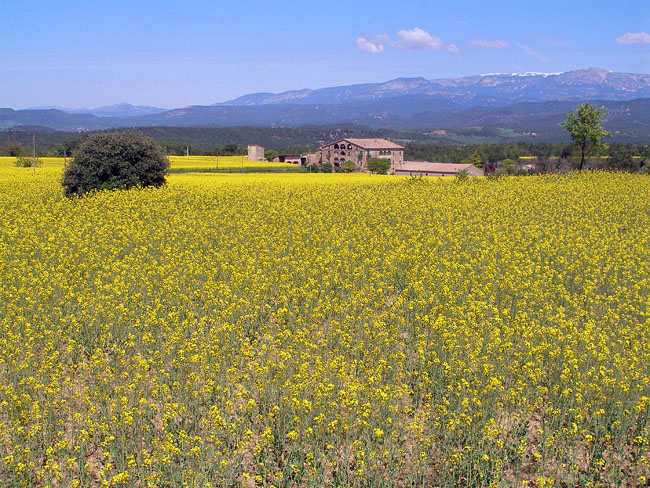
(434, 167)
(371, 143)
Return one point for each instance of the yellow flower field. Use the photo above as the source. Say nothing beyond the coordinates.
(325, 330)
(8, 162)
(223, 162)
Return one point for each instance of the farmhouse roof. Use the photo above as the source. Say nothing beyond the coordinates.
(370, 143)
(426, 166)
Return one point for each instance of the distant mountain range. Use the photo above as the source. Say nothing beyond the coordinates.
(120, 110)
(522, 104)
(486, 89)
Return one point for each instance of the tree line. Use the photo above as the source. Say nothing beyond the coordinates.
(67, 149)
(615, 156)
(545, 156)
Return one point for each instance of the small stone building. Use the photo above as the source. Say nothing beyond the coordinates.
(288, 158)
(358, 151)
(255, 153)
(425, 168)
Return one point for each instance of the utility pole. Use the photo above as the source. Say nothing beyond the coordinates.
(34, 152)
(187, 151)
(217, 161)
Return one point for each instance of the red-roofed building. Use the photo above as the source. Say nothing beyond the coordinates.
(426, 168)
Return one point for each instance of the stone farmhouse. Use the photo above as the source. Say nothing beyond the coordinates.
(359, 151)
(356, 150)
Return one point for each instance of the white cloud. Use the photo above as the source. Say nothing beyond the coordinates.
(496, 44)
(634, 38)
(369, 46)
(417, 39)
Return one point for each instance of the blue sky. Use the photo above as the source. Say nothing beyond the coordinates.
(172, 54)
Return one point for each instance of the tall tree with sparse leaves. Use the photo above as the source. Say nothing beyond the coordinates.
(585, 127)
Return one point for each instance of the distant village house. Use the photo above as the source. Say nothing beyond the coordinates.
(255, 153)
